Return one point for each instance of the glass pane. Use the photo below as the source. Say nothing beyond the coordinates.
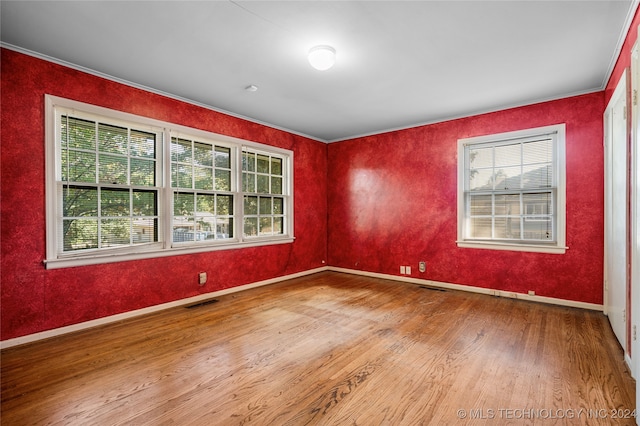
(223, 157)
(114, 202)
(113, 139)
(206, 204)
(540, 229)
(203, 177)
(144, 203)
(480, 158)
(263, 184)
(182, 230)
(276, 185)
(248, 162)
(480, 227)
(224, 228)
(507, 177)
(263, 163)
(145, 230)
(278, 225)
(77, 133)
(143, 172)
(538, 152)
(265, 206)
(276, 166)
(507, 228)
(142, 144)
(181, 150)
(203, 154)
(224, 206)
(481, 179)
(79, 202)
(80, 234)
(508, 155)
(223, 180)
(538, 204)
(115, 232)
(248, 182)
(480, 205)
(183, 204)
(251, 226)
(537, 176)
(113, 169)
(78, 166)
(205, 228)
(507, 204)
(278, 206)
(250, 205)
(266, 227)
(181, 176)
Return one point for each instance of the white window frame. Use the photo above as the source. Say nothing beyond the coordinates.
(56, 258)
(559, 166)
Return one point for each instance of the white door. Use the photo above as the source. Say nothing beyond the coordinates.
(615, 211)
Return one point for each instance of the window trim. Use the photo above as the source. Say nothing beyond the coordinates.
(54, 259)
(559, 247)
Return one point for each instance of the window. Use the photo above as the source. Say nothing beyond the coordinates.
(123, 187)
(511, 190)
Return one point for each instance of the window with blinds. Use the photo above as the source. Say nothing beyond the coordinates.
(511, 189)
(123, 187)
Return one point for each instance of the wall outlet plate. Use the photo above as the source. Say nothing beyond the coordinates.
(202, 278)
(422, 266)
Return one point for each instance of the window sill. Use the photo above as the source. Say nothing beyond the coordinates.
(112, 257)
(512, 247)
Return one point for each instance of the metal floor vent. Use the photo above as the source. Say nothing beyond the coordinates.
(206, 302)
(432, 288)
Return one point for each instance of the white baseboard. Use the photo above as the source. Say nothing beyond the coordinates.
(472, 289)
(201, 297)
(131, 314)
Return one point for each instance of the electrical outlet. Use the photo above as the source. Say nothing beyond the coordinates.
(408, 270)
(203, 278)
(402, 270)
(422, 266)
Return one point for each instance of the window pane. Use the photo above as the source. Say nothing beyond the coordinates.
(265, 205)
(224, 206)
(263, 164)
(223, 157)
(203, 177)
(538, 229)
(143, 172)
(278, 225)
(181, 176)
(537, 204)
(202, 154)
(78, 133)
(248, 182)
(181, 150)
(142, 144)
(276, 185)
(278, 206)
(78, 166)
(144, 203)
(263, 184)
(507, 204)
(276, 166)
(145, 231)
(508, 155)
(78, 202)
(538, 152)
(183, 204)
(480, 227)
(224, 228)
(206, 204)
(266, 227)
(250, 205)
(113, 139)
(114, 202)
(248, 162)
(80, 234)
(250, 226)
(507, 228)
(507, 178)
(115, 232)
(480, 205)
(223, 180)
(481, 179)
(537, 176)
(113, 169)
(480, 158)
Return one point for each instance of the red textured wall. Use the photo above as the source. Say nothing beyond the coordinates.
(34, 299)
(392, 201)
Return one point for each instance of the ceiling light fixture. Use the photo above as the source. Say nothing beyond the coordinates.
(322, 57)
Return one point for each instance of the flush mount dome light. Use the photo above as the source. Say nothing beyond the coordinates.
(322, 57)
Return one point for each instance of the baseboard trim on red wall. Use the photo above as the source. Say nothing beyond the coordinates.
(195, 299)
(138, 312)
(472, 289)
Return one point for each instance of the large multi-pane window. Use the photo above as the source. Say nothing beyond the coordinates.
(511, 190)
(124, 187)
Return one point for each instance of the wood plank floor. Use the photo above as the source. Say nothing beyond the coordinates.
(328, 349)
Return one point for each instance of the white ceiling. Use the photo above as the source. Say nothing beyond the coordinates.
(399, 63)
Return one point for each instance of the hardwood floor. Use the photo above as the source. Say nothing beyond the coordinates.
(328, 349)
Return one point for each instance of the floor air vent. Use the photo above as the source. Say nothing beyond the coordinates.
(432, 288)
(205, 303)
